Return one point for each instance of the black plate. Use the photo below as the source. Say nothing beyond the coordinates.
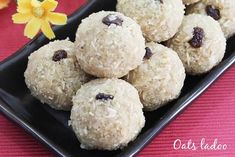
(51, 127)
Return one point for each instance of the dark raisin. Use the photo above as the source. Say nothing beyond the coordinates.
(102, 96)
(161, 1)
(59, 55)
(198, 35)
(148, 53)
(213, 12)
(112, 19)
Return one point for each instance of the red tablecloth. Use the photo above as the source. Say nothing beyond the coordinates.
(212, 116)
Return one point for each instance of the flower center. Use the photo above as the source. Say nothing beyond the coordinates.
(38, 12)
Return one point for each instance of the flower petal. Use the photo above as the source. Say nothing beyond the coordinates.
(24, 7)
(46, 29)
(21, 18)
(23, 1)
(32, 28)
(57, 18)
(4, 3)
(49, 5)
(35, 3)
(23, 10)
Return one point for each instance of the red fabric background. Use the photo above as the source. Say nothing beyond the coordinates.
(212, 116)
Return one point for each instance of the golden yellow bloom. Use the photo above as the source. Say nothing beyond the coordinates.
(38, 15)
(4, 3)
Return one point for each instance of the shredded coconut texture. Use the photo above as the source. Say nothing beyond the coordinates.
(159, 20)
(227, 13)
(53, 82)
(159, 79)
(203, 59)
(109, 51)
(107, 124)
(188, 2)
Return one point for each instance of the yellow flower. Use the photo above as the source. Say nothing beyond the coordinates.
(4, 3)
(38, 15)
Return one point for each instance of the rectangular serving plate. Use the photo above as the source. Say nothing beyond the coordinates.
(51, 127)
